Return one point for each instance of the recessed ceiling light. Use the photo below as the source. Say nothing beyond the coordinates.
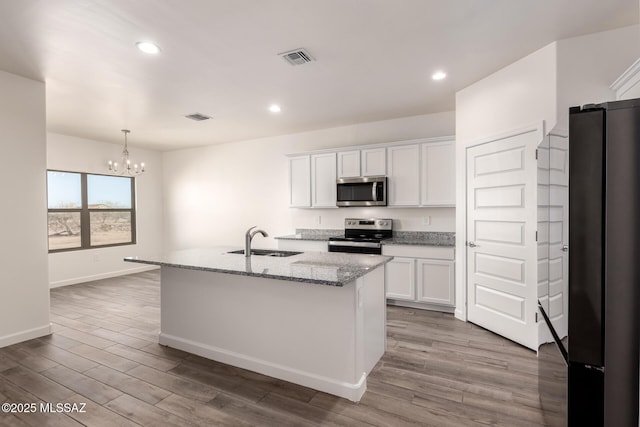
(148, 47)
(438, 75)
(275, 108)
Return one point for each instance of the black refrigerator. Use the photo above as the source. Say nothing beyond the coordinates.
(604, 264)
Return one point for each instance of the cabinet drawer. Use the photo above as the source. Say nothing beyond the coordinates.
(413, 251)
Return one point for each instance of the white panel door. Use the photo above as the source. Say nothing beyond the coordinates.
(400, 280)
(403, 165)
(299, 182)
(438, 178)
(501, 237)
(435, 282)
(323, 180)
(374, 162)
(349, 164)
(558, 233)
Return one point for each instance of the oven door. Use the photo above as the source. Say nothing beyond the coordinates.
(365, 191)
(355, 247)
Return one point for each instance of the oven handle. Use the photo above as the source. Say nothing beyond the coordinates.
(374, 192)
(355, 244)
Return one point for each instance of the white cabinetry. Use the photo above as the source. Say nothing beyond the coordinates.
(403, 166)
(300, 181)
(349, 164)
(421, 173)
(323, 180)
(420, 277)
(374, 162)
(400, 277)
(438, 177)
(435, 281)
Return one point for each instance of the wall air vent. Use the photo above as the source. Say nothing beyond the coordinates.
(197, 117)
(297, 56)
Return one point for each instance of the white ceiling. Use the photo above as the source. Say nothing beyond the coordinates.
(374, 59)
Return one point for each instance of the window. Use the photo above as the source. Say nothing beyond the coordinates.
(89, 211)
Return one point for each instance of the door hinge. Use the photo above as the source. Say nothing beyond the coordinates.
(536, 154)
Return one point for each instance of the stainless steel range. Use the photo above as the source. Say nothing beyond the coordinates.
(362, 236)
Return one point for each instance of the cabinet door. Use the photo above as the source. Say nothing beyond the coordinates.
(323, 180)
(300, 182)
(348, 164)
(403, 163)
(400, 276)
(438, 178)
(435, 282)
(374, 162)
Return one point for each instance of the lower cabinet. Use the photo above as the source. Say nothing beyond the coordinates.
(401, 278)
(420, 282)
(435, 282)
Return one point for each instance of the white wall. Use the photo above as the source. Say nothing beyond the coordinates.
(538, 88)
(24, 301)
(83, 155)
(213, 194)
(588, 65)
(519, 95)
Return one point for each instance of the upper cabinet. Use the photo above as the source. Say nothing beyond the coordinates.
(349, 164)
(438, 178)
(323, 180)
(300, 181)
(421, 173)
(369, 162)
(374, 162)
(403, 169)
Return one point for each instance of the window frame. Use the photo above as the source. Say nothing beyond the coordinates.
(85, 213)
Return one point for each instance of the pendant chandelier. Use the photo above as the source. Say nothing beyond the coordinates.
(125, 167)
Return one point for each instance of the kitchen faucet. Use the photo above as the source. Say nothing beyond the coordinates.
(247, 239)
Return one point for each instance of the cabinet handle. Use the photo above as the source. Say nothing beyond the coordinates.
(471, 244)
(565, 248)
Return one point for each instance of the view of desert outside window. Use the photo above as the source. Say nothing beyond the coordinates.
(106, 227)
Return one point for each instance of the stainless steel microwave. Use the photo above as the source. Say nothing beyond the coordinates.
(363, 191)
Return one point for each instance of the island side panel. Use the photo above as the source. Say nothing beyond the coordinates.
(375, 317)
(299, 332)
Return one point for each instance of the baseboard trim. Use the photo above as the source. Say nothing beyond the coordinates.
(21, 336)
(351, 391)
(108, 275)
(420, 305)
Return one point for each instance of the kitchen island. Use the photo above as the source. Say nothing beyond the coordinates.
(314, 319)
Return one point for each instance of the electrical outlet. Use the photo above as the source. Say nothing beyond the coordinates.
(96, 257)
(426, 220)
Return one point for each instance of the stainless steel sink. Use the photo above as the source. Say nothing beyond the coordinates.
(267, 252)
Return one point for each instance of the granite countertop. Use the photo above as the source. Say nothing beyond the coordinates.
(323, 268)
(422, 238)
(312, 234)
(415, 238)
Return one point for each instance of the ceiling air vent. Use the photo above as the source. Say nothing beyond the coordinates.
(197, 117)
(297, 57)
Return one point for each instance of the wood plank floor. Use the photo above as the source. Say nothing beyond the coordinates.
(437, 371)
